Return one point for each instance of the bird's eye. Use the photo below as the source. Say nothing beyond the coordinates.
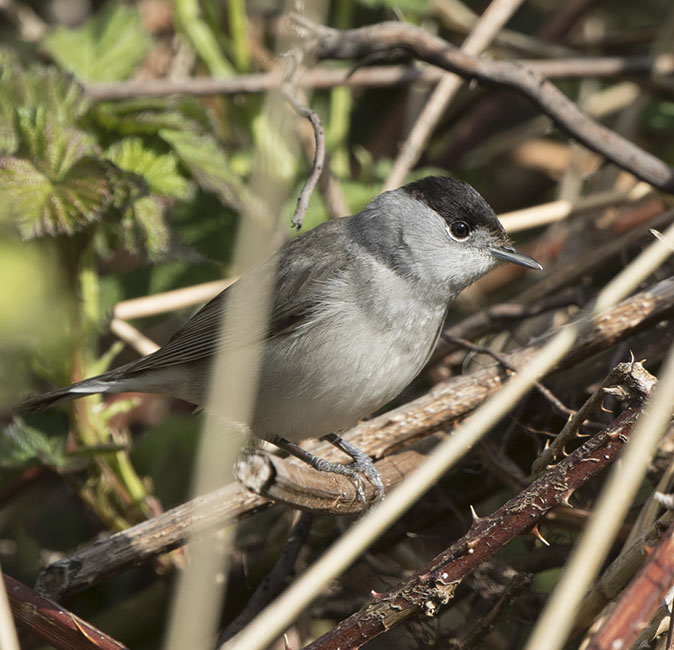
(459, 229)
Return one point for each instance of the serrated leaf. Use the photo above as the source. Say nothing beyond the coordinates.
(207, 163)
(149, 215)
(21, 445)
(52, 147)
(41, 206)
(149, 116)
(108, 47)
(159, 170)
(57, 93)
(144, 228)
(24, 188)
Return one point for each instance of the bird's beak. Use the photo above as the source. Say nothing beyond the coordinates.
(509, 254)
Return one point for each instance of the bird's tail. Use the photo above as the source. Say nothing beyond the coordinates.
(80, 389)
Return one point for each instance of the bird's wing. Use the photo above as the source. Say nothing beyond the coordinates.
(297, 271)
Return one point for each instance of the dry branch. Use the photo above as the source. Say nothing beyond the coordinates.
(379, 437)
(358, 44)
(620, 572)
(433, 586)
(57, 626)
(371, 77)
(640, 600)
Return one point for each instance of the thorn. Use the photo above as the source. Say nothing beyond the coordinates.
(376, 595)
(564, 501)
(537, 534)
(547, 443)
(474, 514)
(285, 642)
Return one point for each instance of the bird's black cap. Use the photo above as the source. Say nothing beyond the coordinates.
(453, 199)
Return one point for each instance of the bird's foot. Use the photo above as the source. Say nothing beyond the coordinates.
(362, 465)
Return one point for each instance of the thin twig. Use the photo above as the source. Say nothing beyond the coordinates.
(499, 358)
(319, 155)
(166, 301)
(132, 337)
(547, 213)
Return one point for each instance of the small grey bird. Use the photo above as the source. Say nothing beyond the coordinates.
(358, 306)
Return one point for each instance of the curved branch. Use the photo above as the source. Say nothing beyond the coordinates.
(364, 42)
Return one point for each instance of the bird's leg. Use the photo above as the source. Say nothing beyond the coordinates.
(362, 465)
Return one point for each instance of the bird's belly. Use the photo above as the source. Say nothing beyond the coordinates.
(346, 377)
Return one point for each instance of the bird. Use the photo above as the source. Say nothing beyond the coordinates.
(357, 307)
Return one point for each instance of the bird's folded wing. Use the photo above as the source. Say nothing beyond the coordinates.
(298, 272)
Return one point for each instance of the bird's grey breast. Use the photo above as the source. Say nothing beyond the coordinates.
(370, 331)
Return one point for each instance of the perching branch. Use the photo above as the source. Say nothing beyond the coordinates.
(357, 44)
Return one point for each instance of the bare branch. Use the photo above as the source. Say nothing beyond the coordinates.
(359, 43)
(60, 628)
(640, 600)
(319, 157)
(372, 77)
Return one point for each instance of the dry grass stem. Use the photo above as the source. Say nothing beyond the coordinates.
(161, 303)
(547, 213)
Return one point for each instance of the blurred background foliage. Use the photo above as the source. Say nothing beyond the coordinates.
(102, 201)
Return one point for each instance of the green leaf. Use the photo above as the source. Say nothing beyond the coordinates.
(21, 445)
(56, 184)
(159, 170)
(41, 206)
(202, 38)
(144, 228)
(207, 163)
(57, 93)
(108, 47)
(149, 116)
(149, 215)
(52, 147)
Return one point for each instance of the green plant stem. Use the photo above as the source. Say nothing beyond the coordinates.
(238, 32)
(201, 37)
(341, 102)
